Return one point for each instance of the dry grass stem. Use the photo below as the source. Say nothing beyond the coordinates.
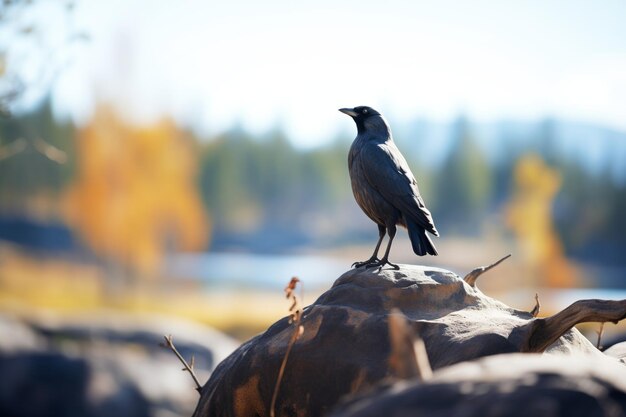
(295, 317)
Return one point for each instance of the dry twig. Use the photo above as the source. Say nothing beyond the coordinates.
(12, 149)
(599, 341)
(52, 153)
(537, 307)
(295, 316)
(169, 344)
(473, 276)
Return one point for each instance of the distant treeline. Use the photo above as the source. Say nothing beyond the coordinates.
(261, 193)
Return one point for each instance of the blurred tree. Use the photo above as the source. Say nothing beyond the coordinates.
(34, 170)
(546, 140)
(225, 183)
(463, 184)
(34, 148)
(264, 193)
(529, 215)
(326, 181)
(135, 195)
(32, 51)
(590, 214)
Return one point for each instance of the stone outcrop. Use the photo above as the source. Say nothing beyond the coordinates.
(345, 347)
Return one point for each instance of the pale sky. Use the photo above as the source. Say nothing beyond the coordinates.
(214, 63)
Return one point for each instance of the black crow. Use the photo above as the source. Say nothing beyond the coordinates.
(384, 186)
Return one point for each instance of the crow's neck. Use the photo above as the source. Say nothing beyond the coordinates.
(360, 126)
(374, 126)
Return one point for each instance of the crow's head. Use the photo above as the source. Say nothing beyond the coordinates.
(360, 112)
(364, 117)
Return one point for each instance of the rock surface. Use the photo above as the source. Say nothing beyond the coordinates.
(345, 345)
(618, 351)
(102, 365)
(511, 385)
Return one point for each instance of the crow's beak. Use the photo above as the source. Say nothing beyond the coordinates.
(349, 112)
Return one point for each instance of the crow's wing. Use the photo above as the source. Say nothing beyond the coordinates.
(387, 172)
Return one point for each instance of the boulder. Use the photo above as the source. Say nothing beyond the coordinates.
(102, 364)
(345, 346)
(510, 385)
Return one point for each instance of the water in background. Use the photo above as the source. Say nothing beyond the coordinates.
(257, 271)
(224, 270)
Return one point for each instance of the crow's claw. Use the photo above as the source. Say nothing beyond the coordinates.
(381, 263)
(366, 264)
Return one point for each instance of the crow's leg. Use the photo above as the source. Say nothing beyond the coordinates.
(391, 231)
(374, 258)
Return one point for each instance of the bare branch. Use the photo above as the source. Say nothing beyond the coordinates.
(535, 311)
(541, 333)
(14, 148)
(51, 152)
(473, 276)
(169, 344)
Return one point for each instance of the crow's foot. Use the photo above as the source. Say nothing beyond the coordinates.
(370, 261)
(382, 263)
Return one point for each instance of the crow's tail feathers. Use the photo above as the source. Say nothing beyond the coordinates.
(420, 241)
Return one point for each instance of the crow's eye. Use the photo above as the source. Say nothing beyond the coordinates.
(364, 111)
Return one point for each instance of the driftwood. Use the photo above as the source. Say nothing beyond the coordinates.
(541, 333)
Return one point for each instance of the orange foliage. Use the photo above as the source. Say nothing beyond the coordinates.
(135, 195)
(529, 214)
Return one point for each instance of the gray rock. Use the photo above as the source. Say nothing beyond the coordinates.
(513, 385)
(618, 351)
(18, 336)
(103, 365)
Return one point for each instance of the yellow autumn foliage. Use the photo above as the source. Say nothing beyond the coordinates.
(135, 195)
(529, 215)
